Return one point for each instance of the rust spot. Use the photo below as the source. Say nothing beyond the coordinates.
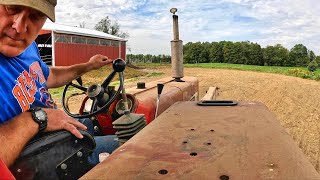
(272, 165)
(224, 177)
(163, 172)
(193, 154)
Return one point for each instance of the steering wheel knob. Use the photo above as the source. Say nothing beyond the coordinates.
(119, 65)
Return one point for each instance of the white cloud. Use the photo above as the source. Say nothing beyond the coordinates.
(149, 23)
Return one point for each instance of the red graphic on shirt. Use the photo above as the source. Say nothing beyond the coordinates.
(36, 73)
(19, 95)
(46, 98)
(25, 88)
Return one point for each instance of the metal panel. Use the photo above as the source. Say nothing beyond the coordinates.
(123, 50)
(53, 63)
(188, 141)
(69, 54)
(172, 92)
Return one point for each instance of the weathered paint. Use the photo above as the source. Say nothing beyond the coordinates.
(69, 54)
(123, 50)
(172, 92)
(144, 100)
(65, 54)
(188, 141)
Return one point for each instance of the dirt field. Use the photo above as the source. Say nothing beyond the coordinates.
(295, 101)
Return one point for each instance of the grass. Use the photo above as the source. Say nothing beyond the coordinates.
(289, 71)
(154, 74)
(267, 69)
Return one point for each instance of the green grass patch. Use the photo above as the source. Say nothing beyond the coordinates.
(56, 92)
(155, 74)
(289, 71)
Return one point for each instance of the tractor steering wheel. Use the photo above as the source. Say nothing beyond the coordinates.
(97, 93)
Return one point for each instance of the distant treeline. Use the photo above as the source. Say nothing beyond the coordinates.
(247, 53)
(237, 53)
(140, 58)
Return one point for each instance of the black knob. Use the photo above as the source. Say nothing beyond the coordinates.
(119, 65)
(160, 88)
(141, 85)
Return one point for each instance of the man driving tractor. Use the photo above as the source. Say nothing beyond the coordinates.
(25, 77)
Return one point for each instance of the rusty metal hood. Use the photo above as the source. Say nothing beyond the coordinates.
(188, 141)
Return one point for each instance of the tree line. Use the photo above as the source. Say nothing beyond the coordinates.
(246, 52)
(141, 58)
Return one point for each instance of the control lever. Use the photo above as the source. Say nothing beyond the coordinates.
(124, 95)
(160, 88)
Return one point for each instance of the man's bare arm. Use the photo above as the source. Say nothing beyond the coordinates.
(17, 132)
(14, 135)
(62, 75)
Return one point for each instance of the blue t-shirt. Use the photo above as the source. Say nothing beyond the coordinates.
(23, 83)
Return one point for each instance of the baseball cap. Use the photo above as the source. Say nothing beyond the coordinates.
(44, 6)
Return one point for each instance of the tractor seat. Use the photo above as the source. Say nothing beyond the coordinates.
(55, 155)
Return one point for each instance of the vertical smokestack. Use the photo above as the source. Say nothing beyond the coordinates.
(175, 27)
(176, 49)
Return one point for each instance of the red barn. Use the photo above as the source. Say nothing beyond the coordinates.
(61, 45)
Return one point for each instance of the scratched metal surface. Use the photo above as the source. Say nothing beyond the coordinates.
(195, 142)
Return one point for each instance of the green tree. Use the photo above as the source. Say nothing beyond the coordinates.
(232, 52)
(192, 52)
(282, 55)
(148, 58)
(312, 66)
(298, 56)
(275, 55)
(216, 52)
(268, 54)
(106, 25)
(311, 55)
(204, 55)
(255, 55)
(318, 60)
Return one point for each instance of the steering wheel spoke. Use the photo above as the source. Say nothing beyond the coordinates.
(108, 80)
(85, 89)
(94, 105)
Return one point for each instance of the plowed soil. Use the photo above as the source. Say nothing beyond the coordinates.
(294, 101)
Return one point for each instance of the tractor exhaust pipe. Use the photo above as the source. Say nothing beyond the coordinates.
(176, 49)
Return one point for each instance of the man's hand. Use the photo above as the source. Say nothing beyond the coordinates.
(58, 119)
(98, 61)
(62, 75)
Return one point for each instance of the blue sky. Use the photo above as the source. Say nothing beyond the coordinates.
(149, 23)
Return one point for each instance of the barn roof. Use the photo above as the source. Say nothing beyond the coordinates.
(64, 29)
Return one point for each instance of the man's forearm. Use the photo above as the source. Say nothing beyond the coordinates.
(60, 76)
(14, 135)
